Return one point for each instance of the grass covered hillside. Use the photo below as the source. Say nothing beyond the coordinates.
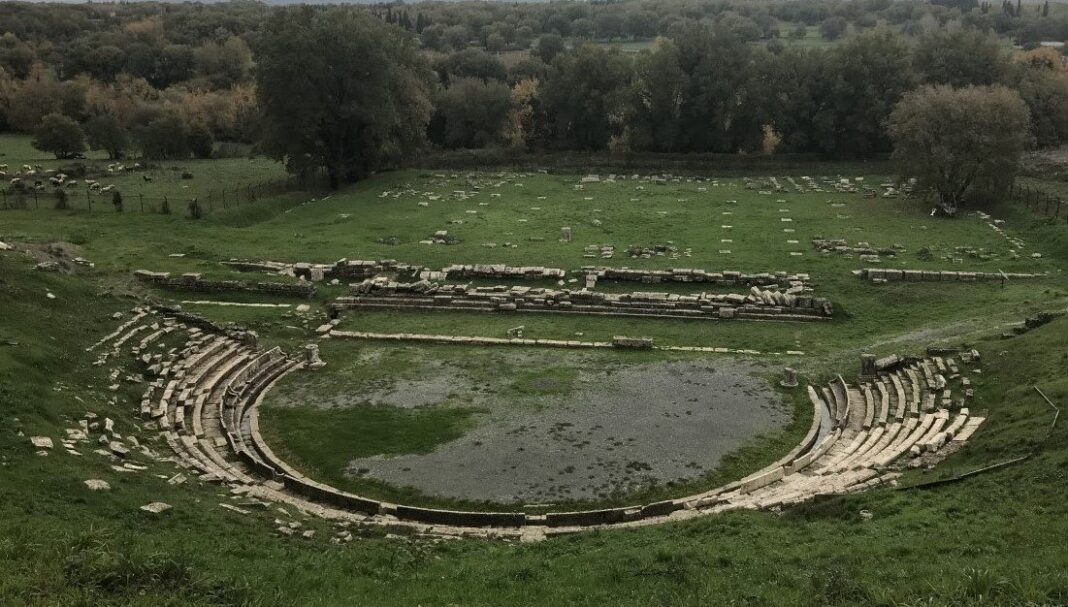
(369, 421)
(994, 539)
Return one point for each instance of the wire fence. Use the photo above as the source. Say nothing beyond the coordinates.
(1039, 201)
(99, 200)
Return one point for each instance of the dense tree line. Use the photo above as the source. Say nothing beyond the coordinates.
(355, 88)
(706, 90)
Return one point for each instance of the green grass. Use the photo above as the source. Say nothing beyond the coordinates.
(209, 179)
(994, 539)
(358, 222)
(326, 440)
(991, 540)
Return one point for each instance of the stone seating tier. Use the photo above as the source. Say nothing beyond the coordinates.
(207, 409)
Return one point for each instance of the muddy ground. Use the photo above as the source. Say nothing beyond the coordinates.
(609, 429)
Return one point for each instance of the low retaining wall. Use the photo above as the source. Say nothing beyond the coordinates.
(479, 341)
(461, 518)
(193, 282)
(551, 343)
(881, 275)
(343, 269)
(585, 518)
(328, 495)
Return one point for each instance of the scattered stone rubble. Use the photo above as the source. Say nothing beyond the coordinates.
(604, 251)
(862, 249)
(655, 250)
(1033, 322)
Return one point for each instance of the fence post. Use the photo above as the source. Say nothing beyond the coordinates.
(36, 202)
(89, 201)
(141, 198)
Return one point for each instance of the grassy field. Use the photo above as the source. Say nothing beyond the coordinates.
(207, 181)
(996, 539)
(993, 539)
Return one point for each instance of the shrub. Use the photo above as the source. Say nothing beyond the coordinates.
(59, 135)
(116, 201)
(195, 210)
(201, 141)
(165, 207)
(61, 200)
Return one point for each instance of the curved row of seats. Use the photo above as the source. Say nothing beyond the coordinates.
(207, 387)
(895, 417)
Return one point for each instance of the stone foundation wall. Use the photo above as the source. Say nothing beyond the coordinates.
(881, 275)
(356, 269)
(194, 283)
(724, 278)
(503, 272)
(756, 305)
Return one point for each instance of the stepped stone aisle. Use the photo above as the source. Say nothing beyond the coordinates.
(207, 383)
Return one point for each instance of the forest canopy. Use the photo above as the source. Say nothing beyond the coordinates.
(353, 89)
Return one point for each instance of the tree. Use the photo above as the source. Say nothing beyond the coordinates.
(583, 97)
(41, 94)
(59, 135)
(224, 64)
(339, 89)
(495, 43)
(832, 28)
(15, 55)
(164, 138)
(104, 132)
(853, 87)
(959, 141)
(959, 58)
(201, 141)
(471, 63)
(519, 127)
(526, 69)
(1041, 78)
(699, 93)
(473, 112)
(548, 47)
